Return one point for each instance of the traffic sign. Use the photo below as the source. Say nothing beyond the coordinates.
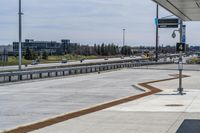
(180, 47)
(168, 23)
(184, 34)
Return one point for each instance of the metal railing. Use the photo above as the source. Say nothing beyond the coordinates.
(48, 73)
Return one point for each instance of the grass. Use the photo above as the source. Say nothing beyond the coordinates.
(14, 61)
(195, 60)
(68, 57)
(51, 59)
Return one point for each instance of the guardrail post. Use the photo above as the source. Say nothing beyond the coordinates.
(56, 73)
(20, 77)
(40, 75)
(81, 71)
(49, 75)
(9, 78)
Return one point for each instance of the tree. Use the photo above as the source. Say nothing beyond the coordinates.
(44, 55)
(95, 49)
(33, 55)
(99, 50)
(28, 55)
(103, 49)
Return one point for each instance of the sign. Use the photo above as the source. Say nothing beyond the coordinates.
(184, 34)
(180, 47)
(156, 21)
(168, 23)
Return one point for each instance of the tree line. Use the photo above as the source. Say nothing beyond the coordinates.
(86, 50)
(99, 50)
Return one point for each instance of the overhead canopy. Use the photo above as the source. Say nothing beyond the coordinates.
(187, 10)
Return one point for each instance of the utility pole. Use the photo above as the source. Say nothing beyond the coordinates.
(157, 32)
(180, 89)
(20, 36)
(124, 30)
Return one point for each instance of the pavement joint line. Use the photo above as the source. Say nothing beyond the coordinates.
(172, 69)
(64, 117)
(181, 114)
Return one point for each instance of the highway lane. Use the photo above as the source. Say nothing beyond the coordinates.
(87, 61)
(11, 68)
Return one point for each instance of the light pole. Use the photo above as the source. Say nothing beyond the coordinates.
(180, 89)
(124, 30)
(157, 32)
(20, 35)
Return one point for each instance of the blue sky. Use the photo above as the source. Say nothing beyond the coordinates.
(88, 22)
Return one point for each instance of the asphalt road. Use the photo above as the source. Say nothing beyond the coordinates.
(10, 68)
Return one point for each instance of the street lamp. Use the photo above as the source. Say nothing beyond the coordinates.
(180, 89)
(20, 35)
(174, 33)
(157, 32)
(124, 30)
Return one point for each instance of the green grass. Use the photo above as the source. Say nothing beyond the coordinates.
(51, 59)
(69, 57)
(14, 61)
(195, 60)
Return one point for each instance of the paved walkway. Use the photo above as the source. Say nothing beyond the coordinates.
(160, 113)
(31, 101)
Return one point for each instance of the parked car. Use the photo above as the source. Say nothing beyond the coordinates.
(81, 60)
(64, 61)
(34, 62)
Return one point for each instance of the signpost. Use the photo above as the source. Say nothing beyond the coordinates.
(184, 34)
(168, 23)
(181, 49)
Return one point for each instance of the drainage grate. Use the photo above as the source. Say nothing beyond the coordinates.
(174, 105)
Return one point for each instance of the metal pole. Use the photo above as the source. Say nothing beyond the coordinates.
(180, 89)
(124, 37)
(20, 36)
(157, 32)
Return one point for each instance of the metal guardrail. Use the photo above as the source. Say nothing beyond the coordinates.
(6, 77)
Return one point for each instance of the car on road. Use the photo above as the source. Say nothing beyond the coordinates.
(34, 62)
(81, 60)
(64, 61)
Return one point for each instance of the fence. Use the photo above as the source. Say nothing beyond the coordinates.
(39, 74)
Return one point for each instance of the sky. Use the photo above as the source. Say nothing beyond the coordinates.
(88, 22)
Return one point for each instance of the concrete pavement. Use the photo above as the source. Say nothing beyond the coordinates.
(27, 102)
(160, 113)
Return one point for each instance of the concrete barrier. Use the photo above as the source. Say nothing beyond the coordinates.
(38, 74)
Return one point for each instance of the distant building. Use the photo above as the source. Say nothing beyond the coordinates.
(5, 50)
(51, 47)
